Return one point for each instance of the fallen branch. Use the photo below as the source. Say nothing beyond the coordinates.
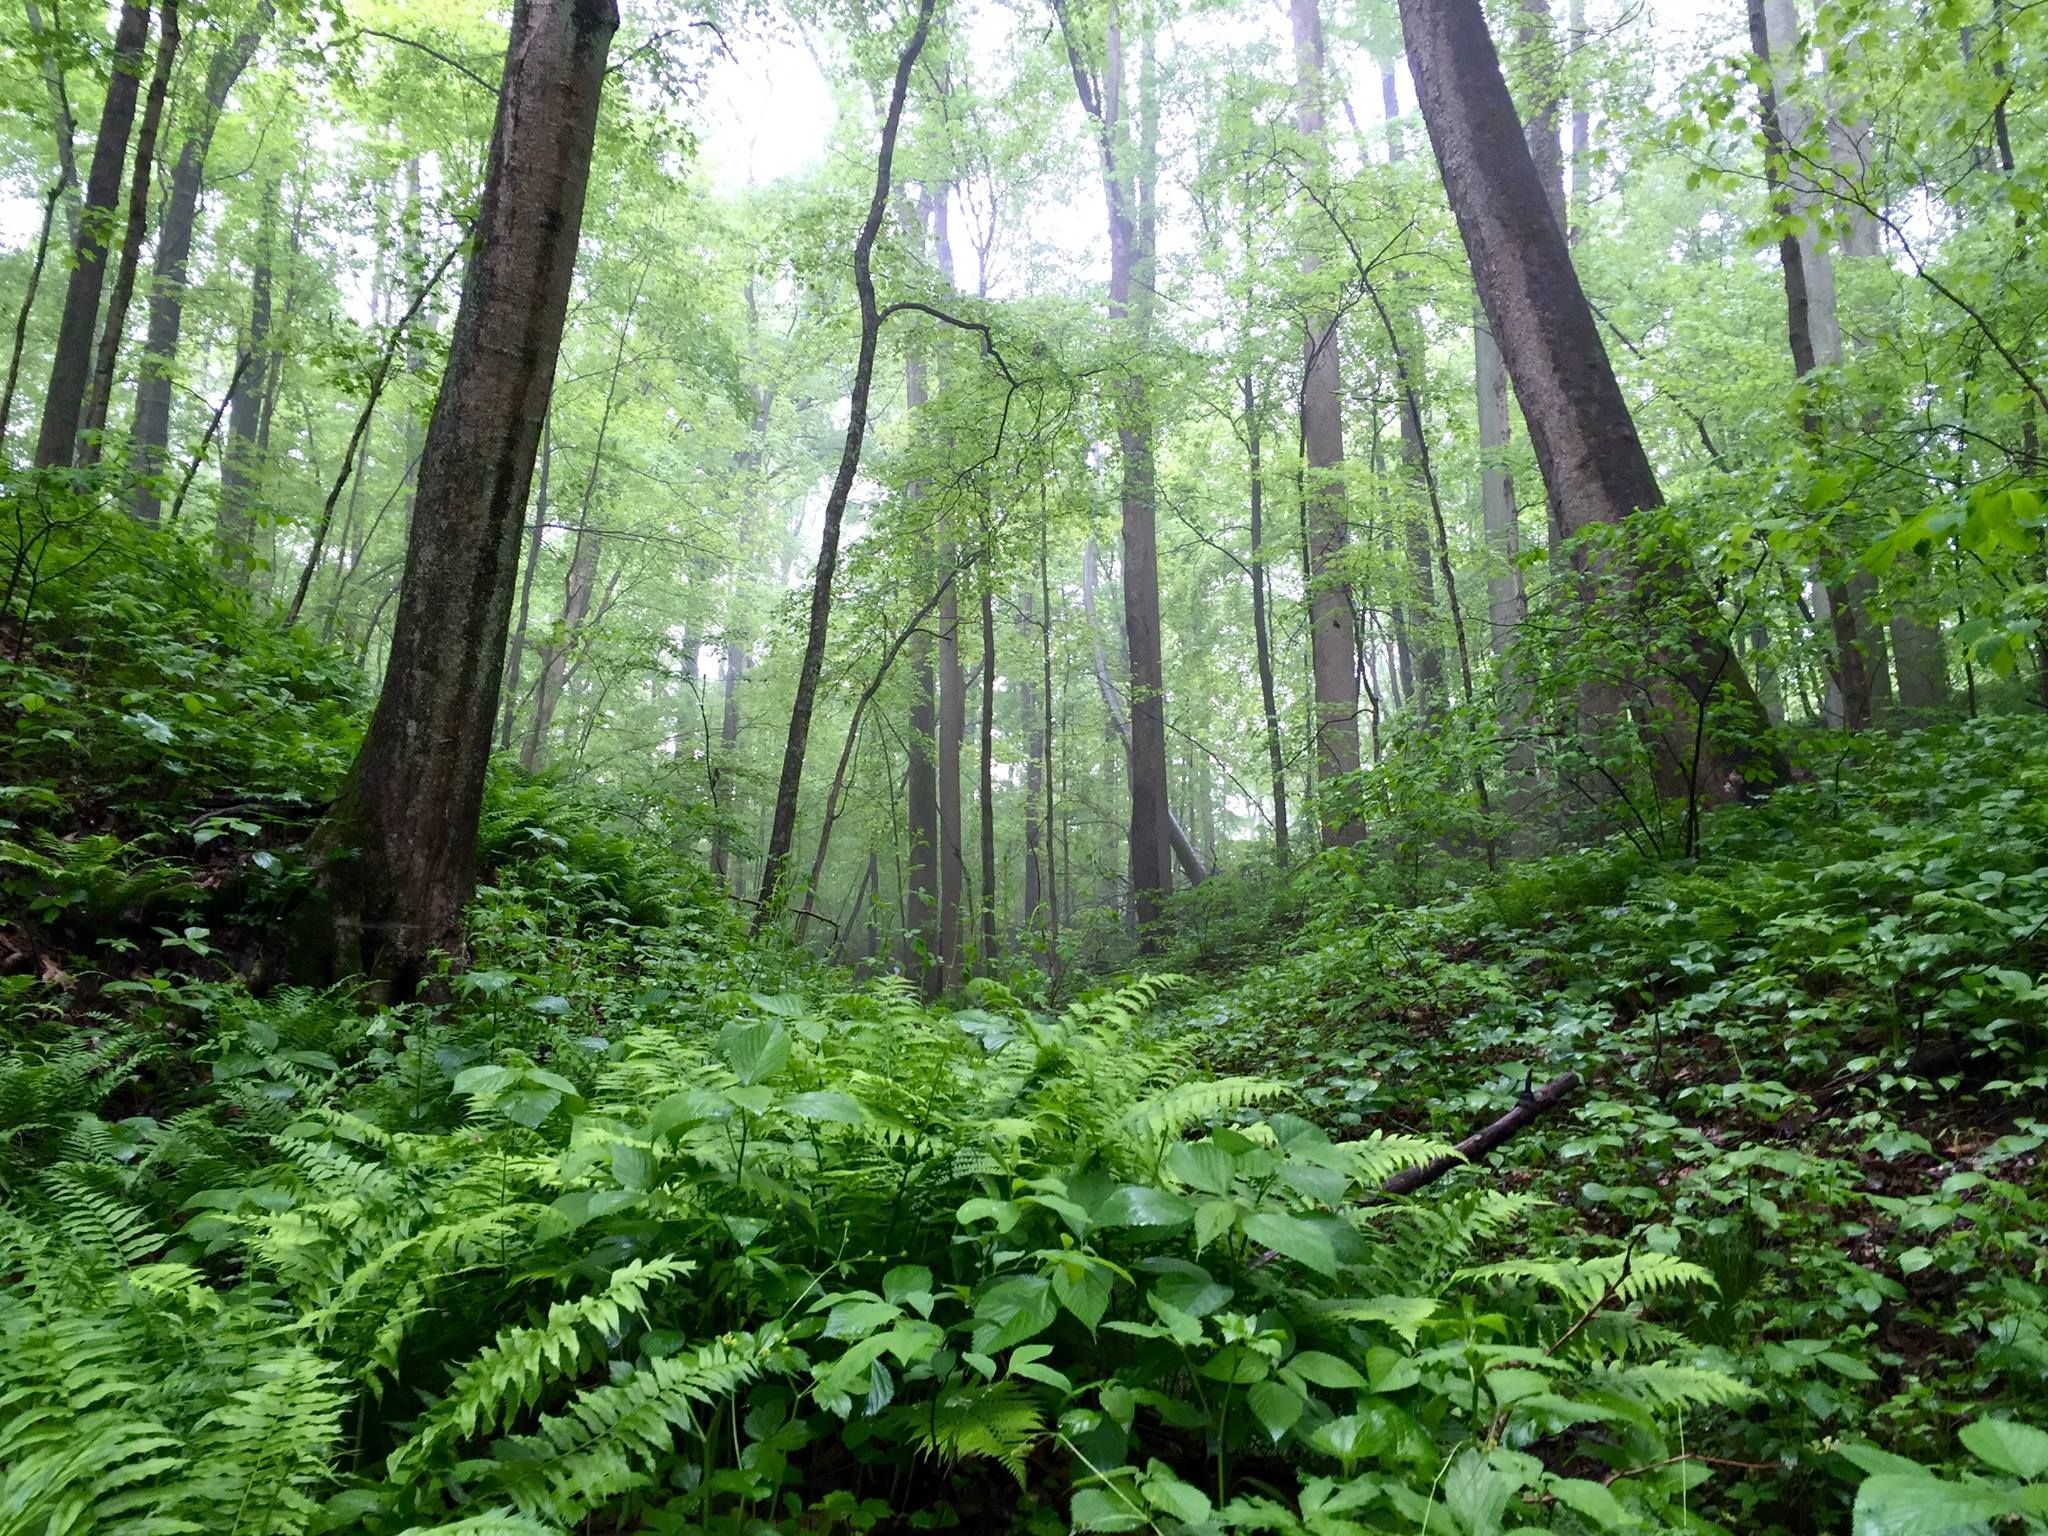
(1482, 1141)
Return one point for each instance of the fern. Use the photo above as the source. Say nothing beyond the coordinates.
(508, 1376)
(997, 1421)
(1171, 1111)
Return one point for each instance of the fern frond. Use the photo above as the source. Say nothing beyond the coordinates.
(508, 1376)
(997, 1421)
(1172, 1111)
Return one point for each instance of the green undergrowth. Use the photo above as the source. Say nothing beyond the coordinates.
(648, 1227)
(1815, 1063)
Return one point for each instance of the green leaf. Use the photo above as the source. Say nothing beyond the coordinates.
(1322, 1370)
(632, 1166)
(836, 1108)
(1012, 1311)
(1141, 1205)
(1276, 1406)
(755, 1050)
(1590, 1499)
(1295, 1239)
(1202, 1165)
(2019, 1449)
(1083, 1290)
(1894, 1505)
(1098, 1509)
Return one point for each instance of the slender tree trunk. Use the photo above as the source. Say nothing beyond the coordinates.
(1262, 636)
(241, 464)
(1034, 775)
(1182, 849)
(152, 430)
(62, 129)
(101, 392)
(581, 584)
(1496, 489)
(1053, 865)
(516, 664)
(398, 851)
(733, 669)
(1415, 630)
(71, 365)
(1539, 46)
(1593, 463)
(1331, 660)
(922, 947)
(782, 829)
(1127, 186)
(1815, 330)
(988, 766)
(1582, 132)
(28, 302)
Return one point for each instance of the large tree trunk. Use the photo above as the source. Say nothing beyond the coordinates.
(1332, 653)
(101, 392)
(241, 460)
(1262, 636)
(152, 429)
(782, 827)
(398, 851)
(71, 365)
(1593, 463)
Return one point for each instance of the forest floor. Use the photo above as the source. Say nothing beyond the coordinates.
(651, 1226)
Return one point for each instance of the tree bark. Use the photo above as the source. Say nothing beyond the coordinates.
(531, 566)
(1593, 463)
(1332, 660)
(398, 850)
(71, 365)
(1262, 635)
(241, 462)
(151, 434)
(1815, 332)
(782, 828)
(1496, 489)
(1182, 849)
(1127, 189)
(1582, 134)
(988, 763)
(1034, 775)
(1422, 655)
(101, 392)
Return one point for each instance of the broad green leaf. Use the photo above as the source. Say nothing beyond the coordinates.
(1293, 1238)
(755, 1049)
(2020, 1449)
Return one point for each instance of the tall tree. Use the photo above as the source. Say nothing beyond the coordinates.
(71, 365)
(101, 391)
(152, 429)
(241, 461)
(1593, 463)
(1129, 171)
(398, 849)
(782, 829)
(1332, 646)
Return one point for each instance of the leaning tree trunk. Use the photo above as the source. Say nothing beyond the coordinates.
(782, 828)
(398, 850)
(152, 430)
(1593, 463)
(101, 392)
(71, 366)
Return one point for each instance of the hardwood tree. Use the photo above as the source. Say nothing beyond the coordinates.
(1593, 463)
(398, 849)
